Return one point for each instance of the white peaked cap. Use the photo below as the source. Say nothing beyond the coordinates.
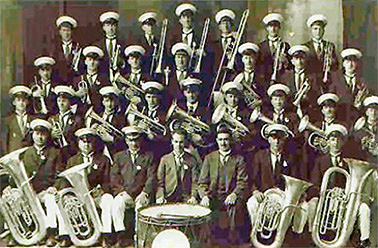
(93, 49)
(185, 6)
(68, 19)
(316, 18)
(327, 96)
(273, 17)
(223, 13)
(107, 15)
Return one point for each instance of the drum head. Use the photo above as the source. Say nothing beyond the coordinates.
(175, 211)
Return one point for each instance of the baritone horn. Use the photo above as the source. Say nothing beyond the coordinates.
(78, 207)
(20, 206)
(337, 208)
(221, 114)
(112, 130)
(317, 139)
(276, 211)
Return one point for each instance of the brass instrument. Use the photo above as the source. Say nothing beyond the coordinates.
(257, 115)
(83, 91)
(278, 60)
(317, 139)
(146, 123)
(368, 142)
(276, 212)
(251, 98)
(188, 122)
(115, 59)
(302, 92)
(62, 142)
(110, 129)
(327, 63)
(157, 56)
(78, 207)
(362, 93)
(197, 66)
(76, 58)
(130, 90)
(37, 89)
(221, 114)
(337, 208)
(20, 206)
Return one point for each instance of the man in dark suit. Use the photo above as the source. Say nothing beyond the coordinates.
(66, 50)
(177, 173)
(273, 48)
(132, 178)
(321, 49)
(222, 182)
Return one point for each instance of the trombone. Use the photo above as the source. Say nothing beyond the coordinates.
(278, 60)
(327, 63)
(76, 58)
(201, 49)
(157, 56)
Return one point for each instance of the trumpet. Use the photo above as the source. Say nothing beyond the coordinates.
(327, 63)
(157, 56)
(61, 140)
(83, 91)
(76, 58)
(104, 124)
(302, 92)
(38, 92)
(151, 126)
(317, 139)
(220, 114)
(362, 93)
(197, 67)
(278, 60)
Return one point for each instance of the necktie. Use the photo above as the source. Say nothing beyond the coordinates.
(351, 82)
(110, 48)
(134, 156)
(66, 50)
(319, 49)
(22, 124)
(186, 38)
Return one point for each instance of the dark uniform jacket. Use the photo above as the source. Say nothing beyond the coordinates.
(106, 61)
(64, 64)
(14, 137)
(50, 101)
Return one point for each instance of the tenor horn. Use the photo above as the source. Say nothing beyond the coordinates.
(90, 114)
(337, 209)
(20, 206)
(221, 114)
(317, 139)
(78, 208)
(276, 211)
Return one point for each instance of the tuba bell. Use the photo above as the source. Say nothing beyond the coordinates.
(337, 208)
(276, 211)
(20, 206)
(317, 138)
(78, 208)
(220, 114)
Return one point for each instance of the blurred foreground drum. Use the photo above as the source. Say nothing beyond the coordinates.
(192, 220)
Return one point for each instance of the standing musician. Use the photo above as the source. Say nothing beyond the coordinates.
(65, 122)
(44, 98)
(98, 176)
(322, 55)
(177, 173)
(335, 135)
(132, 179)
(89, 83)
(66, 51)
(222, 182)
(17, 124)
(113, 59)
(273, 50)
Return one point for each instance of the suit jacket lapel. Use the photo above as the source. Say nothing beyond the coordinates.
(171, 163)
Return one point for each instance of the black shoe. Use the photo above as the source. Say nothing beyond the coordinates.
(106, 240)
(65, 241)
(51, 241)
(123, 240)
(364, 244)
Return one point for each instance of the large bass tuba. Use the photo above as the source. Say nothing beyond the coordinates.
(20, 206)
(78, 208)
(276, 211)
(337, 209)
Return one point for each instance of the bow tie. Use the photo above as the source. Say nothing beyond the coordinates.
(350, 76)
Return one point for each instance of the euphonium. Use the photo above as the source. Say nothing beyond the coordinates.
(78, 208)
(112, 130)
(220, 114)
(21, 207)
(276, 211)
(337, 208)
(191, 122)
(317, 138)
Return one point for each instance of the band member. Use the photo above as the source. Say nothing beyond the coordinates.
(177, 173)
(98, 176)
(113, 59)
(222, 182)
(66, 51)
(17, 124)
(132, 178)
(273, 50)
(65, 122)
(327, 103)
(41, 162)
(44, 98)
(322, 54)
(335, 135)
(89, 83)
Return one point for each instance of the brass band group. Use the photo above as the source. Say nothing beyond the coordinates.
(228, 140)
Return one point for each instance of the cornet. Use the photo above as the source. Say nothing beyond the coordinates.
(37, 88)
(104, 124)
(76, 58)
(61, 140)
(83, 91)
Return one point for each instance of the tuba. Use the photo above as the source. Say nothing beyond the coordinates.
(78, 208)
(20, 206)
(276, 212)
(317, 138)
(220, 114)
(337, 208)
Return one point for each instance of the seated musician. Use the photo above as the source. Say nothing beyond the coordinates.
(65, 122)
(17, 124)
(132, 177)
(222, 182)
(177, 173)
(273, 46)
(91, 81)
(44, 98)
(98, 173)
(335, 135)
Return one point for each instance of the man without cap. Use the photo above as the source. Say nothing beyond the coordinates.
(273, 46)
(65, 49)
(98, 176)
(132, 179)
(88, 84)
(44, 98)
(336, 135)
(320, 49)
(17, 124)
(177, 173)
(222, 182)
